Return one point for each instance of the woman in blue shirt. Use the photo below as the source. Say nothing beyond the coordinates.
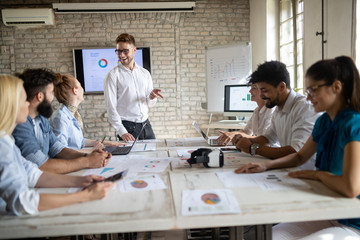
(333, 87)
(66, 122)
(18, 176)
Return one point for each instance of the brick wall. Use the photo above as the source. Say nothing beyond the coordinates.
(177, 42)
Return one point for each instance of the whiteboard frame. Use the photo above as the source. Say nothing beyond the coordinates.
(216, 109)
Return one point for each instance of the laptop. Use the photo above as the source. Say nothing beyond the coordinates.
(210, 141)
(123, 150)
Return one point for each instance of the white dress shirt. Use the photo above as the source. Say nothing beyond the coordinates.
(127, 96)
(292, 125)
(259, 122)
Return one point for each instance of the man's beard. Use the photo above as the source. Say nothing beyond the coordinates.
(270, 103)
(45, 108)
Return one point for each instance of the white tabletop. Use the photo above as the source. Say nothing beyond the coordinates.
(262, 207)
(159, 210)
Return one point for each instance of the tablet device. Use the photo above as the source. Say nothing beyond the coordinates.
(117, 176)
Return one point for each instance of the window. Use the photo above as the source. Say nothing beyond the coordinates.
(291, 39)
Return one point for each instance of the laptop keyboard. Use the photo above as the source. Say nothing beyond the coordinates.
(120, 150)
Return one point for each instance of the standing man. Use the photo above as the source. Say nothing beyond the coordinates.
(292, 121)
(35, 138)
(129, 93)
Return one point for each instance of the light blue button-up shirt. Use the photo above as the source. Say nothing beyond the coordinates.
(36, 140)
(67, 129)
(16, 176)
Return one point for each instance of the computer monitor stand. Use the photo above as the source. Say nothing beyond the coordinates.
(240, 118)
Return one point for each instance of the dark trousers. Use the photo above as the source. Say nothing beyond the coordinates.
(135, 128)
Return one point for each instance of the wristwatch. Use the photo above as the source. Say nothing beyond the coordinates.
(253, 148)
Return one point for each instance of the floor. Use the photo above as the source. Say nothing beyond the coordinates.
(195, 234)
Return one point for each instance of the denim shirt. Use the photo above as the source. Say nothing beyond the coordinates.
(37, 147)
(67, 129)
(17, 177)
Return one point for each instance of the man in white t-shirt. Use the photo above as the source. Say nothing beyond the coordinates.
(129, 93)
(292, 120)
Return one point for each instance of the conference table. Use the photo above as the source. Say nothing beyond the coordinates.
(161, 209)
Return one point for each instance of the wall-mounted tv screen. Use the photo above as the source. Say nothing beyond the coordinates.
(92, 64)
(237, 101)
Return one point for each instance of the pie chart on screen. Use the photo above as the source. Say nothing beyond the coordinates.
(103, 63)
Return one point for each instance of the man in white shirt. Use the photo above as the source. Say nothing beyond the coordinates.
(128, 91)
(292, 121)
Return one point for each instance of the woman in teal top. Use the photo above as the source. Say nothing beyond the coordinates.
(333, 87)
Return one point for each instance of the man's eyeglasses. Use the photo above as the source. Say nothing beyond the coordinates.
(310, 90)
(125, 51)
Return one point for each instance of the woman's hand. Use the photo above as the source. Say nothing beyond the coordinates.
(252, 168)
(225, 137)
(98, 190)
(308, 174)
(98, 145)
(85, 181)
(114, 143)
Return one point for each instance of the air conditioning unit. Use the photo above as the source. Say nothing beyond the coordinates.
(22, 17)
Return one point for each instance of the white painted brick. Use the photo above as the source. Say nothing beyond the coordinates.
(174, 38)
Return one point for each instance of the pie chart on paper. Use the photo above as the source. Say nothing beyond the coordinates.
(210, 198)
(139, 184)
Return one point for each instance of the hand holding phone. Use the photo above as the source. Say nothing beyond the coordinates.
(117, 176)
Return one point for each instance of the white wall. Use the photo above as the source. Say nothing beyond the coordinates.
(337, 29)
(263, 31)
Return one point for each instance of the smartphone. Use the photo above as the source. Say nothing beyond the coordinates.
(117, 176)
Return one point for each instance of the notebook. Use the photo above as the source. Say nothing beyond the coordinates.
(210, 141)
(123, 150)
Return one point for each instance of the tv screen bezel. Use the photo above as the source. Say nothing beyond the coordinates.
(227, 100)
(79, 67)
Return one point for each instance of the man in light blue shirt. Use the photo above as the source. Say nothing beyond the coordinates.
(35, 137)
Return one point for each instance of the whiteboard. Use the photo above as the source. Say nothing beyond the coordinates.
(225, 65)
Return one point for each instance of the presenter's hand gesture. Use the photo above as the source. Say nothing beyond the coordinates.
(252, 168)
(225, 137)
(98, 158)
(155, 93)
(127, 137)
(97, 191)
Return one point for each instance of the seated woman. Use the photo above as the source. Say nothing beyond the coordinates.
(333, 86)
(257, 124)
(18, 176)
(66, 121)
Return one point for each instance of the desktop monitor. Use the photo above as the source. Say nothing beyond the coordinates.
(237, 101)
(92, 64)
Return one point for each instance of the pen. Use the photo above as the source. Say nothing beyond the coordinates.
(103, 139)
